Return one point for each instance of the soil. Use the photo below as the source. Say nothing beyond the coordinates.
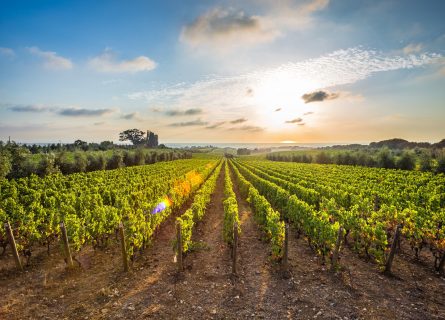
(206, 289)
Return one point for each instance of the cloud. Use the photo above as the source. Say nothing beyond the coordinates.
(155, 109)
(188, 112)
(278, 109)
(28, 108)
(51, 59)
(308, 113)
(412, 48)
(82, 112)
(197, 122)
(227, 28)
(249, 128)
(216, 125)
(240, 120)
(107, 63)
(319, 96)
(131, 116)
(7, 52)
(341, 67)
(65, 111)
(301, 124)
(297, 120)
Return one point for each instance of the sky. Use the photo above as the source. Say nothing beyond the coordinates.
(263, 71)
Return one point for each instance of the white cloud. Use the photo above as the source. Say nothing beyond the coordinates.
(412, 48)
(106, 62)
(51, 59)
(8, 52)
(225, 98)
(131, 116)
(337, 68)
(227, 28)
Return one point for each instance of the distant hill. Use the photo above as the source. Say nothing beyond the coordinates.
(395, 143)
(399, 144)
(440, 144)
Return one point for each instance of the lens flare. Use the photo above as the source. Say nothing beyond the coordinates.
(161, 206)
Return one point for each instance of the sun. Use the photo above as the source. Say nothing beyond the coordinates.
(277, 96)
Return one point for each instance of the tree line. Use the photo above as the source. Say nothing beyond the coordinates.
(18, 161)
(417, 159)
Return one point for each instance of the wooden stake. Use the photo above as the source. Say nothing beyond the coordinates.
(179, 246)
(69, 259)
(285, 261)
(123, 247)
(393, 250)
(337, 249)
(234, 247)
(13, 246)
(442, 264)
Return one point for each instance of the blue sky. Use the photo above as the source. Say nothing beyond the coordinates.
(223, 71)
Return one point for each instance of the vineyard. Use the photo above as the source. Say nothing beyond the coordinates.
(250, 238)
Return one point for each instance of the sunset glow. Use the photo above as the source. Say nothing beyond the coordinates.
(307, 71)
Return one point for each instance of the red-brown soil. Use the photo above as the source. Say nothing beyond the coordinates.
(206, 289)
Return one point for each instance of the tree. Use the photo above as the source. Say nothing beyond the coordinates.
(386, 159)
(139, 157)
(116, 161)
(323, 158)
(47, 165)
(440, 165)
(406, 161)
(80, 162)
(96, 162)
(242, 151)
(136, 136)
(5, 164)
(18, 157)
(426, 163)
(106, 145)
(81, 144)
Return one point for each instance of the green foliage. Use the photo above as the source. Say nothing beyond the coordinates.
(386, 159)
(406, 161)
(47, 165)
(264, 214)
(16, 161)
(367, 202)
(230, 207)
(441, 165)
(5, 164)
(93, 204)
(197, 210)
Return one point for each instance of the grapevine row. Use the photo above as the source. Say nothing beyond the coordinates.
(93, 204)
(230, 207)
(369, 226)
(264, 214)
(197, 210)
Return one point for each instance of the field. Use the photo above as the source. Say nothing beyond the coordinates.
(333, 263)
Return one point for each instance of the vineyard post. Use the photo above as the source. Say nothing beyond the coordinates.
(285, 260)
(66, 245)
(123, 246)
(13, 246)
(393, 250)
(442, 264)
(337, 249)
(179, 245)
(235, 247)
